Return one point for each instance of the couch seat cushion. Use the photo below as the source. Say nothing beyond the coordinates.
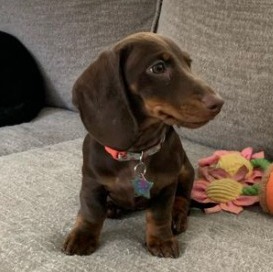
(51, 126)
(39, 201)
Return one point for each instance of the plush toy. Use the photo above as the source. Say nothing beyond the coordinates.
(266, 191)
(230, 180)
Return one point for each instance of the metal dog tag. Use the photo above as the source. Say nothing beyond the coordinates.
(141, 185)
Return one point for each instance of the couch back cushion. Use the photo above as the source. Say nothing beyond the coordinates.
(66, 36)
(231, 44)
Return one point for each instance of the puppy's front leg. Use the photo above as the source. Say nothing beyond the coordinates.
(84, 237)
(182, 198)
(159, 237)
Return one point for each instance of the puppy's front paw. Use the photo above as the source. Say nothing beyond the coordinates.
(80, 241)
(163, 248)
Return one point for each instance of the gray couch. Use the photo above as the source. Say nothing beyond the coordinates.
(231, 43)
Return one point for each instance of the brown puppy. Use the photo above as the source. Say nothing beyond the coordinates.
(128, 99)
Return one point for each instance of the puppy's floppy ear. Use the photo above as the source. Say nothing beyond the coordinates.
(101, 97)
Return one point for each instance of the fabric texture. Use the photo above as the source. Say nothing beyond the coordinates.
(51, 126)
(231, 44)
(66, 36)
(39, 201)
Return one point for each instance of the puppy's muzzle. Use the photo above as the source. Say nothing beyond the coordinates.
(213, 103)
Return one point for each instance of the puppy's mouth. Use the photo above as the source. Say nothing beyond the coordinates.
(186, 118)
(173, 118)
(192, 124)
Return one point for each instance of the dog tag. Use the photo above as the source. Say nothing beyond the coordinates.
(142, 186)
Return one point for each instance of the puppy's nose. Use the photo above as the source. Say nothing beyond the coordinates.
(213, 102)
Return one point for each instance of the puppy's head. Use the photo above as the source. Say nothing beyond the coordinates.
(143, 70)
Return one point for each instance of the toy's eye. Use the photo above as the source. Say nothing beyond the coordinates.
(158, 67)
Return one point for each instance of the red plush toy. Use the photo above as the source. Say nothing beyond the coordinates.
(266, 192)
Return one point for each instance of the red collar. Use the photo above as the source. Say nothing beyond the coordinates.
(128, 156)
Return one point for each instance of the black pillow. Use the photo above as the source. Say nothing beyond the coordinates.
(22, 87)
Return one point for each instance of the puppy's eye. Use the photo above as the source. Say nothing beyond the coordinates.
(158, 68)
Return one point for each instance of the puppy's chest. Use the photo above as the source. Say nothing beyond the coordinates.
(129, 186)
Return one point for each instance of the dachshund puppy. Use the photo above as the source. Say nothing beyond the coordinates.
(129, 99)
